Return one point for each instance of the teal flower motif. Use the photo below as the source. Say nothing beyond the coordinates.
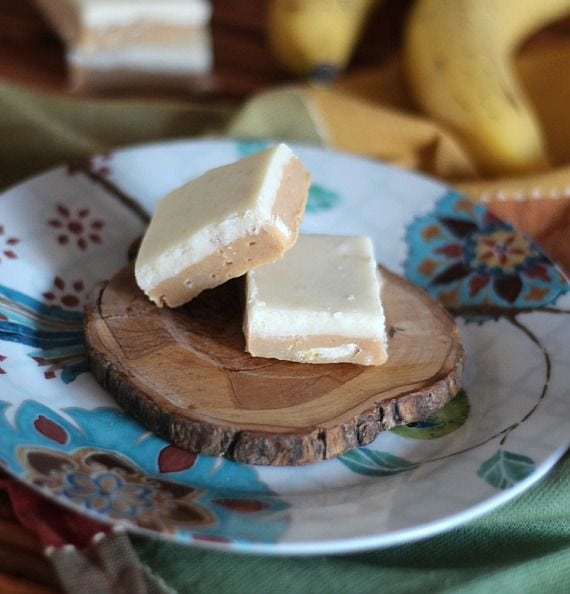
(372, 463)
(249, 147)
(504, 469)
(321, 199)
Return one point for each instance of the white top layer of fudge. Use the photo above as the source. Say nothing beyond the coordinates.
(218, 226)
(319, 304)
(117, 13)
(194, 55)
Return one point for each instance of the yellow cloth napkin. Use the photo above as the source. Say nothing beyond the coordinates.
(371, 113)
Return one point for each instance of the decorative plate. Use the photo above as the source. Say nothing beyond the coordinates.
(65, 230)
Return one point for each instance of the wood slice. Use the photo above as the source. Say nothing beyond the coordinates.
(184, 374)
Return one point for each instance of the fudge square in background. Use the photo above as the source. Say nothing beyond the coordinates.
(222, 224)
(320, 303)
(130, 43)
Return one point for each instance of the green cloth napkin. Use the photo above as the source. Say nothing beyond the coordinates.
(522, 547)
(40, 130)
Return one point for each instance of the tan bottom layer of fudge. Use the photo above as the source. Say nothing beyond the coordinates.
(320, 349)
(140, 32)
(227, 263)
(141, 64)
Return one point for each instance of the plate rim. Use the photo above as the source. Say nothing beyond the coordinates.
(326, 546)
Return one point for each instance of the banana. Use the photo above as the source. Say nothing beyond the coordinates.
(316, 38)
(459, 63)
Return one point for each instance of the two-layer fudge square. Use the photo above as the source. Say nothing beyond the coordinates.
(320, 303)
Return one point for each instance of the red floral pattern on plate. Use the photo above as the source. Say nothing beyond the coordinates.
(174, 459)
(7, 245)
(50, 429)
(76, 225)
(65, 294)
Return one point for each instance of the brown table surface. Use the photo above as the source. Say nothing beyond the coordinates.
(31, 54)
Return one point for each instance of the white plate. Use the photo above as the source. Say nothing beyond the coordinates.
(63, 231)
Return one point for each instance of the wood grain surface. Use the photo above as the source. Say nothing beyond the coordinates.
(185, 375)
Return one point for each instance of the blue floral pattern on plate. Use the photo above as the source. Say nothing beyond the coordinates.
(57, 332)
(157, 486)
(470, 260)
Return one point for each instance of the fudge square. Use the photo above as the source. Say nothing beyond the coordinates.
(319, 304)
(126, 43)
(222, 224)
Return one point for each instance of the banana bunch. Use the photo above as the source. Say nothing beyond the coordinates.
(459, 63)
(315, 38)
